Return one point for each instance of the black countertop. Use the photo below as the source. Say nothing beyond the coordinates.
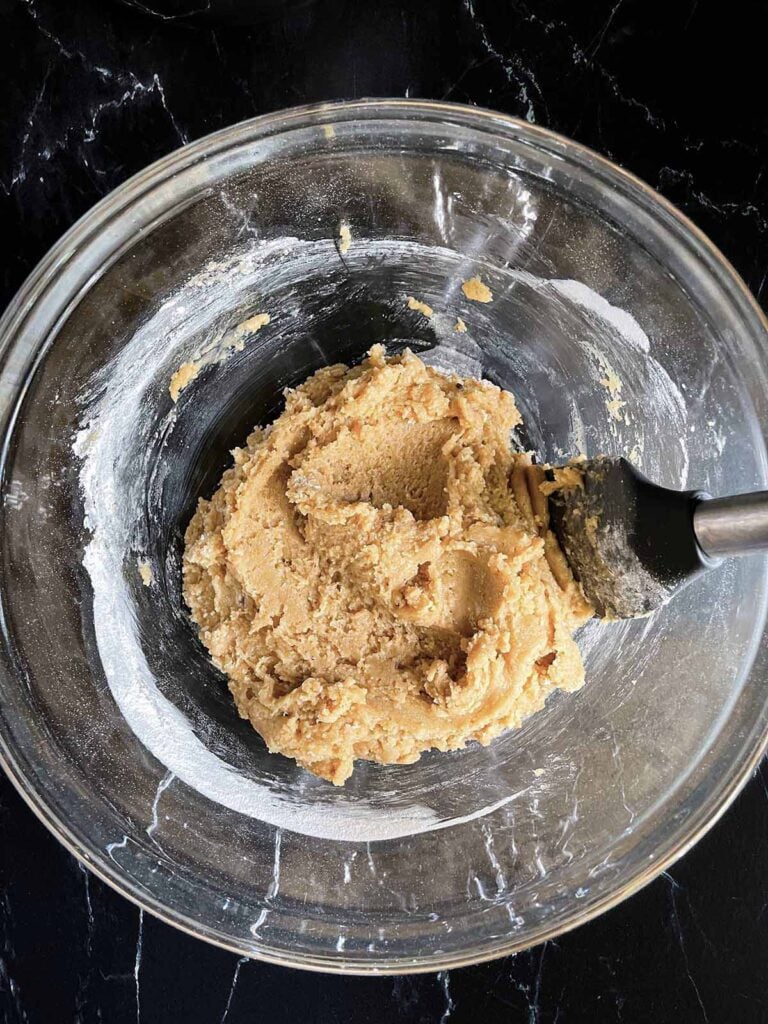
(94, 90)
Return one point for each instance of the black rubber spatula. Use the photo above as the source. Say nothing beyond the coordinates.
(632, 544)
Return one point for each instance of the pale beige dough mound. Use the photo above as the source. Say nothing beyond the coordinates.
(375, 574)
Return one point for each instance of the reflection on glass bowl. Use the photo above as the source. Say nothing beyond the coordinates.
(618, 328)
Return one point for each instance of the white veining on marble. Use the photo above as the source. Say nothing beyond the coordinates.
(235, 978)
(674, 889)
(137, 963)
(444, 980)
(88, 904)
(126, 86)
(517, 73)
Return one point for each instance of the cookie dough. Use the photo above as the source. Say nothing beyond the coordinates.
(345, 238)
(375, 574)
(185, 374)
(476, 291)
(420, 307)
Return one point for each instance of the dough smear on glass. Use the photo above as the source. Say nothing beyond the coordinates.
(375, 574)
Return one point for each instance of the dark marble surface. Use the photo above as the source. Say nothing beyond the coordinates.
(93, 91)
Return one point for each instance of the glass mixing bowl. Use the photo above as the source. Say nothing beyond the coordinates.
(618, 327)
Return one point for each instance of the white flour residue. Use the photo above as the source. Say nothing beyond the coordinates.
(15, 496)
(624, 323)
(114, 489)
(627, 369)
(718, 435)
(577, 431)
(457, 352)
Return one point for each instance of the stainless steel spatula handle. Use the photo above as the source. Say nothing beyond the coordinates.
(732, 526)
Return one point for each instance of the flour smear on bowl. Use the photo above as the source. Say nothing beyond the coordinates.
(113, 487)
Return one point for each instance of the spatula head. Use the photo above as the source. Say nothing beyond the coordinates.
(629, 542)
